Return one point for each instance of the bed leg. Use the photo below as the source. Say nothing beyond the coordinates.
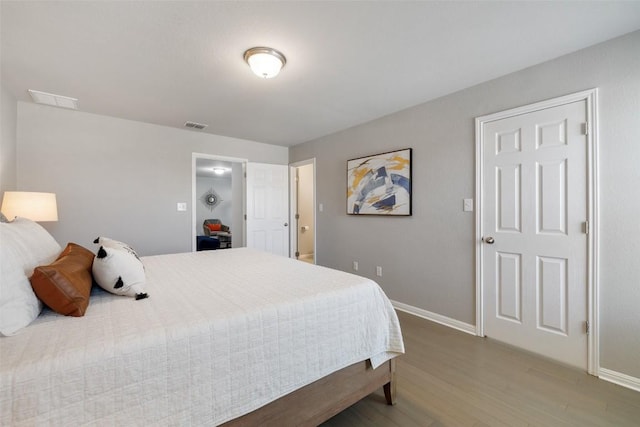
(390, 387)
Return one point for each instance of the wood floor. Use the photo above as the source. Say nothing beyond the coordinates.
(449, 378)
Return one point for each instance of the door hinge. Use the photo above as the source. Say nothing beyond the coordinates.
(297, 254)
(585, 128)
(245, 217)
(586, 227)
(297, 216)
(586, 327)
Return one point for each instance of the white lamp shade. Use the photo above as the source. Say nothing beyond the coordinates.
(31, 205)
(265, 62)
(265, 65)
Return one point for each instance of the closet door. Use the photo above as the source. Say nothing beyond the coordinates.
(267, 208)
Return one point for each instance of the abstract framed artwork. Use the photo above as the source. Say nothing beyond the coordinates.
(380, 184)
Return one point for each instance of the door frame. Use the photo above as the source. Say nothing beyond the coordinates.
(292, 207)
(194, 200)
(591, 98)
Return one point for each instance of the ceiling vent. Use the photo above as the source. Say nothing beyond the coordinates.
(54, 100)
(194, 125)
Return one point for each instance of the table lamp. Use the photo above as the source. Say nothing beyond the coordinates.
(27, 204)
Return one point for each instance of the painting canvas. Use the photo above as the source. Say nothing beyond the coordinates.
(380, 184)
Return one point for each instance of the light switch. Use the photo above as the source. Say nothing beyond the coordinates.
(182, 207)
(320, 207)
(467, 205)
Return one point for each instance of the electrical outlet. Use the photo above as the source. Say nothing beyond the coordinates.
(355, 265)
(379, 271)
(182, 207)
(321, 207)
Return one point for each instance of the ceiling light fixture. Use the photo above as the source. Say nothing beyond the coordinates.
(219, 171)
(265, 62)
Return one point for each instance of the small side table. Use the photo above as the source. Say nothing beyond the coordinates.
(225, 239)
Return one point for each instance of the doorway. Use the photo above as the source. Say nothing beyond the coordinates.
(536, 228)
(303, 190)
(218, 193)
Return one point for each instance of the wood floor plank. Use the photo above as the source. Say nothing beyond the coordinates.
(451, 379)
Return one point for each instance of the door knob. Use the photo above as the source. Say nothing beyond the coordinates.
(489, 240)
(286, 224)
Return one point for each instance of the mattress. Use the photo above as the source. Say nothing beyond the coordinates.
(222, 333)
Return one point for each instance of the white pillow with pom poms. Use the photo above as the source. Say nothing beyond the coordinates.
(110, 243)
(117, 269)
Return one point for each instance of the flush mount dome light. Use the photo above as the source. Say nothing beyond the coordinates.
(265, 62)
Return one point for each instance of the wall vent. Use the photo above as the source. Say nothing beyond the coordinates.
(194, 125)
(53, 99)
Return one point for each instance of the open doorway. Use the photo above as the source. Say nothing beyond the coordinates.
(218, 197)
(303, 190)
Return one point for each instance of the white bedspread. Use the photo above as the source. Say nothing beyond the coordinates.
(222, 333)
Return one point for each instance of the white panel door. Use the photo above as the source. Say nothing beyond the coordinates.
(267, 208)
(535, 246)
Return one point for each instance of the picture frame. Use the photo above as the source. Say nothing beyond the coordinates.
(380, 184)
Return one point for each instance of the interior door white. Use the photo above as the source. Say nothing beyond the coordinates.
(267, 208)
(535, 243)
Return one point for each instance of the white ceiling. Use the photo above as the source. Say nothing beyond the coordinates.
(347, 62)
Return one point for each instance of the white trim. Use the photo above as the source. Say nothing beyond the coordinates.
(591, 98)
(593, 242)
(293, 201)
(479, 230)
(195, 156)
(292, 204)
(621, 379)
(434, 317)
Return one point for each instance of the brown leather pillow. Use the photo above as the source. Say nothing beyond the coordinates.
(65, 285)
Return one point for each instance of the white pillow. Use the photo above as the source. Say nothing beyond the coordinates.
(110, 243)
(24, 245)
(117, 269)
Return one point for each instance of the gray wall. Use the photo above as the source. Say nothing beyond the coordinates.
(119, 178)
(428, 259)
(237, 191)
(8, 119)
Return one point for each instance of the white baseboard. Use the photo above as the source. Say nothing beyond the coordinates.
(618, 378)
(434, 317)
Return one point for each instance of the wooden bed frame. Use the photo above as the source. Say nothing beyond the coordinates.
(317, 402)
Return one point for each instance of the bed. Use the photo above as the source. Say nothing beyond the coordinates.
(236, 337)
